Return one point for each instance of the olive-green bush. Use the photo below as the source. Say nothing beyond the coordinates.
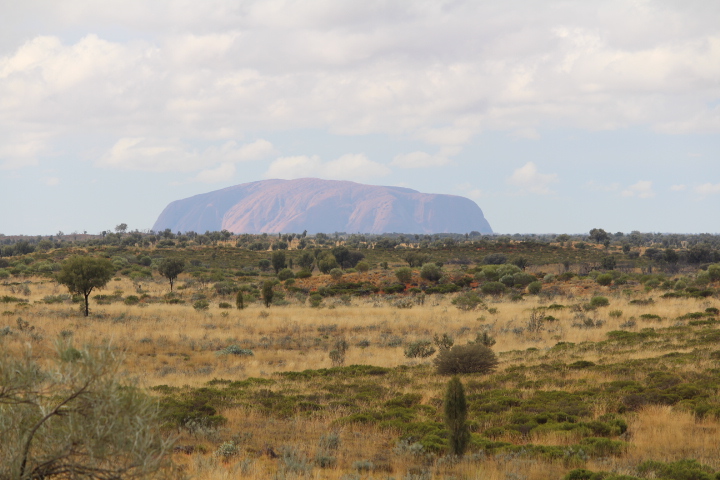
(469, 358)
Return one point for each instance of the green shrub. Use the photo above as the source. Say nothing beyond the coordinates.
(443, 341)
(680, 470)
(523, 279)
(404, 274)
(534, 287)
(194, 411)
(615, 313)
(566, 276)
(56, 298)
(470, 358)
(493, 288)
(419, 348)
(201, 305)
(394, 288)
(494, 259)
(714, 272)
(603, 447)
(467, 301)
(362, 266)
(285, 274)
(315, 300)
(303, 274)
(431, 272)
(599, 302)
(508, 280)
(131, 300)
(484, 339)
(443, 288)
(336, 273)
(327, 262)
(605, 279)
(702, 278)
(622, 279)
(225, 288)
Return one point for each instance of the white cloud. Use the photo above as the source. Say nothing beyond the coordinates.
(707, 189)
(641, 189)
(678, 188)
(476, 194)
(294, 167)
(468, 190)
(223, 173)
(347, 167)
(352, 166)
(437, 71)
(419, 160)
(253, 151)
(19, 150)
(164, 155)
(528, 179)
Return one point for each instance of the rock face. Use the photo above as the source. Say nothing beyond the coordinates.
(275, 206)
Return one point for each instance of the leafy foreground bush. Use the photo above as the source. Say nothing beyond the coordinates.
(470, 358)
(75, 419)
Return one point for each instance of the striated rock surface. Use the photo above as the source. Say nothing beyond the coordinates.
(315, 205)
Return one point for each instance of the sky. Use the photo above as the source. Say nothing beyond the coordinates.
(553, 116)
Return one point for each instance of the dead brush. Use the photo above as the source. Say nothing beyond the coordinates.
(536, 322)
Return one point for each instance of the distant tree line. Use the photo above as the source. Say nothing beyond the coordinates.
(670, 248)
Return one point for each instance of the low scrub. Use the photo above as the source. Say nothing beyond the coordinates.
(470, 358)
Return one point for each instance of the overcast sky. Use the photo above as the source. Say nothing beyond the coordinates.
(553, 116)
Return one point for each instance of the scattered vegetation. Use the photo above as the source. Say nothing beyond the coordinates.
(575, 357)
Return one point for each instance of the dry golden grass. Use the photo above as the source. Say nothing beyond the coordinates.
(666, 434)
(175, 345)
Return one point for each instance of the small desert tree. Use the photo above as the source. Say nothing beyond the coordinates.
(75, 419)
(81, 275)
(456, 417)
(278, 261)
(170, 268)
(267, 292)
(239, 303)
(416, 259)
(599, 235)
(326, 262)
(306, 261)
